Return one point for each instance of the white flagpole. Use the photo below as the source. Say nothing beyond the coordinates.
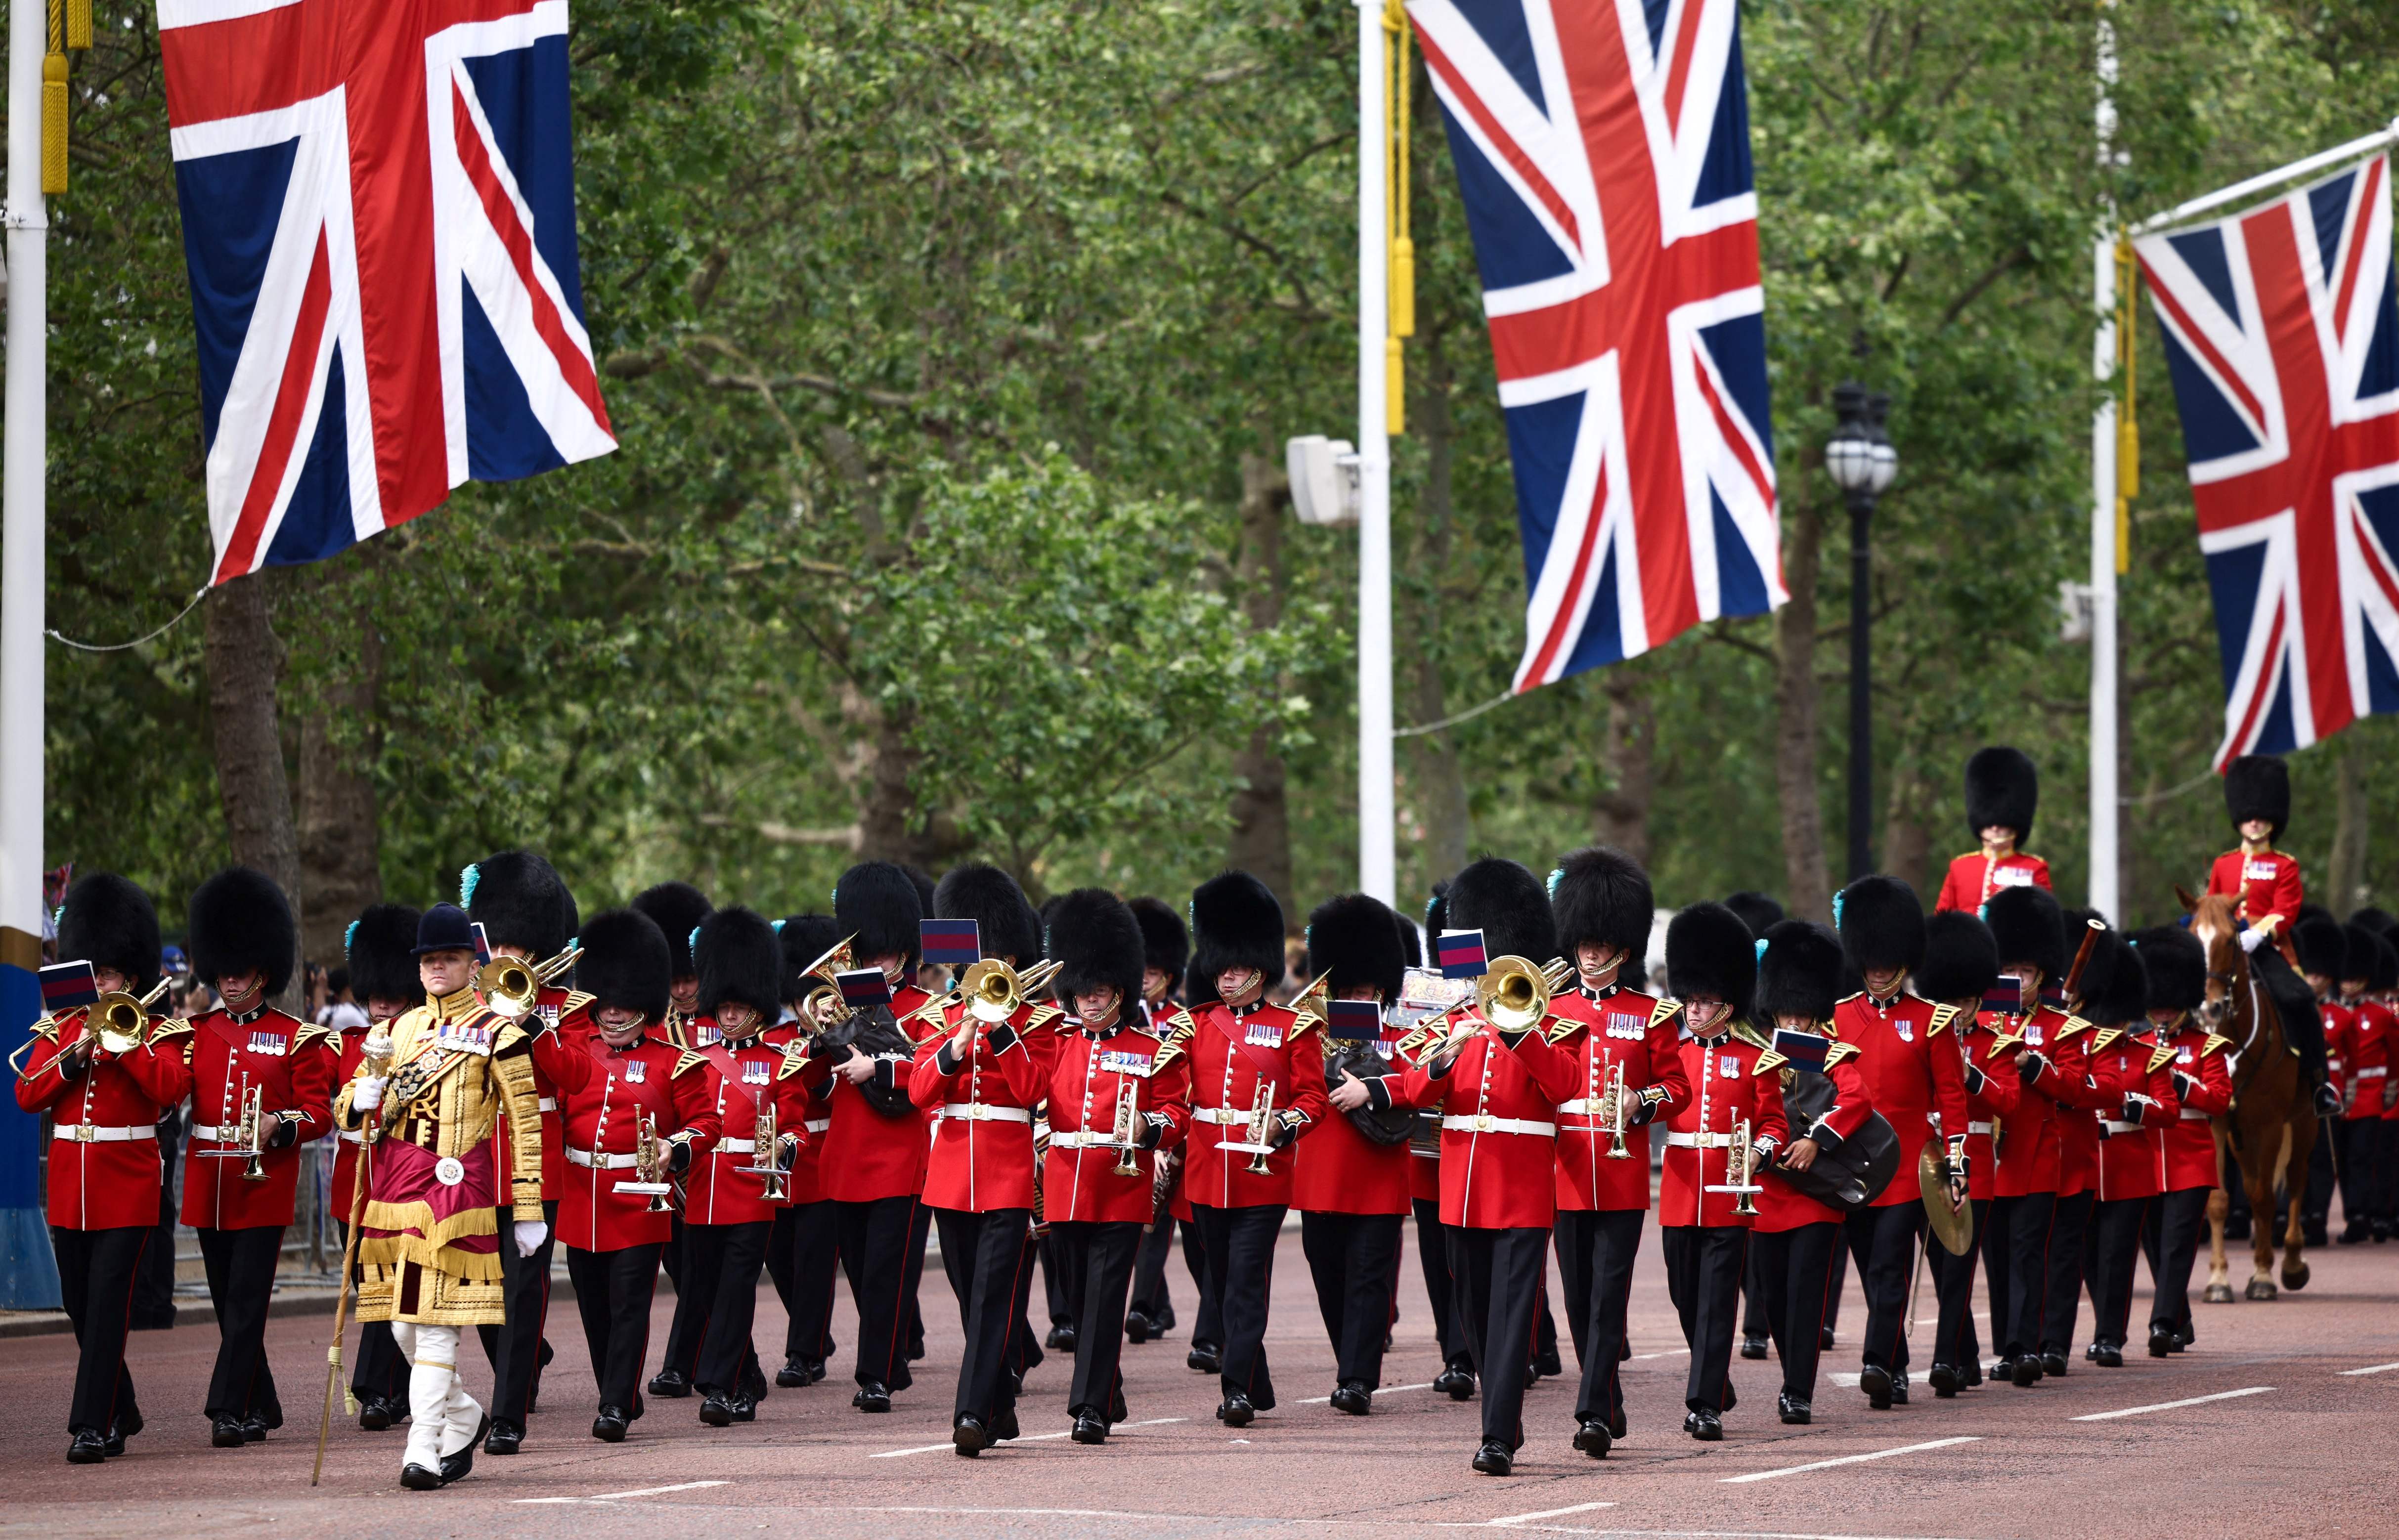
(1378, 853)
(21, 575)
(2104, 805)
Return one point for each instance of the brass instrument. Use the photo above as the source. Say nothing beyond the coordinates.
(119, 1021)
(1259, 1124)
(766, 1162)
(1512, 994)
(827, 992)
(649, 1165)
(510, 985)
(1617, 1148)
(1127, 1130)
(1743, 1152)
(994, 992)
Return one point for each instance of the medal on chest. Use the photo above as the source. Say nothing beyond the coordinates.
(1119, 1062)
(636, 1072)
(1627, 1029)
(1260, 1035)
(1906, 1028)
(1727, 1066)
(2011, 876)
(758, 1074)
(274, 1043)
(2259, 872)
(2032, 1035)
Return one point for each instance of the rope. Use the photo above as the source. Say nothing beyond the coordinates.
(2169, 793)
(1467, 715)
(121, 646)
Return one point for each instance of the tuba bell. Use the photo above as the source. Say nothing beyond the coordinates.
(1512, 994)
(121, 1022)
(825, 994)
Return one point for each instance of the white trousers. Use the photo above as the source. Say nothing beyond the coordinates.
(443, 1416)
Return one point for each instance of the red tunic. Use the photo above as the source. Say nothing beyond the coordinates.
(983, 1145)
(870, 1154)
(1913, 1071)
(1339, 1170)
(1624, 1028)
(2029, 1153)
(292, 1064)
(105, 1168)
(2132, 1152)
(550, 1007)
(2268, 882)
(2388, 1021)
(603, 1091)
(2365, 1056)
(1732, 1083)
(741, 1077)
(2190, 1143)
(1232, 1053)
(1087, 1070)
(1499, 1126)
(1973, 877)
(1989, 1108)
(1780, 1208)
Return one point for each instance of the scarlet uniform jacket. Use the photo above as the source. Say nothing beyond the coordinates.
(291, 1063)
(2190, 1143)
(2132, 1151)
(2364, 1053)
(1973, 877)
(2029, 1141)
(1088, 1069)
(601, 1093)
(349, 1047)
(814, 1077)
(1733, 1081)
(2081, 1104)
(2268, 882)
(869, 1155)
(1499, 1126)
(1339, 1170)
(2390, 1051)
(1909, 1057)
(1233, 1053)
(104, 1167)
(2335, 1032)
(1988, 1107)
(982, 1142)
(740, 1077)
(1638, 1032)
(550, 1007)
(1780, 1207)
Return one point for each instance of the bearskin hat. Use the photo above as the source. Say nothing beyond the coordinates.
(627, 961)
(2027, 926)
(1356, 938)
(805, 939)
(1757, 912)
(240, 923)
(110, 923)
(677, 908)
(1165, 943)
(1505, 901)
(2175, 965)
(2322, 948)
(1004, 921)
(1097, 944)
(1411, 943)
(381, 942)
(925, 885)
(739, 958)
(1881, 922)
(2122, 997)
(2004, 787)
(2358, 947)
(2375, 919)
(1799, 971)
(877, 902)
(1710, 952)
(519, 900)
(2259, 786)
(2385, 975)
(1961, 960)
(1235, 924)
(1602, 896)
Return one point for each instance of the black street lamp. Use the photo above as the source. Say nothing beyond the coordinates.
(1862, 464)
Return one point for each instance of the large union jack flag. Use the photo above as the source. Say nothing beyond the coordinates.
(378, 201)
(2282, 333)
(1602, 149)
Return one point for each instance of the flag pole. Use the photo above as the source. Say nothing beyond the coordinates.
(1378, 855)
(2104, 807)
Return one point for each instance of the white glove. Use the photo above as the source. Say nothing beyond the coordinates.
(366, 1092)
(2251, 940)
(531, 1233)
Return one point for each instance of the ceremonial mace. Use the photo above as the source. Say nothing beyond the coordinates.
(375, 1059)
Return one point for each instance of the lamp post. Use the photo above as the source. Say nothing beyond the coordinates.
(1863, 465)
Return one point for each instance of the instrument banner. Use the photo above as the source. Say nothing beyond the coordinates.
(949, 943)
(68, 985)
(1460, 954)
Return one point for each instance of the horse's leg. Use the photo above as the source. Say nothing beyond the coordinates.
(2303, 1132)
(2261, 1168)
(2219, 1290)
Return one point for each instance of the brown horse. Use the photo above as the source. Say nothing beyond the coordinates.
(2272, 1130)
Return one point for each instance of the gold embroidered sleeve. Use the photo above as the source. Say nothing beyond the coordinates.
(515, 1075)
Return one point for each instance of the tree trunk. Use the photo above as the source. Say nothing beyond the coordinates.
(1448, 818)
(339, 835)
(1810, 894)
(1260, 843)
(885, 831)
(2345, 888)
(243, 660)
(1906, 841)
(1620, 812)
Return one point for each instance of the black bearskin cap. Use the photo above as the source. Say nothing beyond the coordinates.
(2357, 950)
(677, 909)
(2385, 975)
(1436, 918)
(877, 902)
(1097, 942)
(805, 939)
(1505, 901)
(1799, 971)
(2375, 919)
(2175, 965)
(739, 958)
(1961, 960)
(1710, 952)
(381, 944)
(240, 923)
(2259, 786)
(1757, 912)
(2121, 998)
(1165, 944)
(520, 900)
(1602, 896)
(925, 885)
(1356, 938)
(1004, 921)
(1881, 922)
(110, 923)
(1411, 943)
(2027, 926)
(1235, 924)
(626, 961)
(2321, 946)
(2004, 787)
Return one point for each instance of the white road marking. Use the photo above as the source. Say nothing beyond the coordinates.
(1669, 1353)
(1853, 1459)
(2373, 1369)
(1387, 1390)
(2168, 1406)
(1375, 1523)
(1546, 1513)
(1848, 1381)
(637, 1492)
(1026, 1439)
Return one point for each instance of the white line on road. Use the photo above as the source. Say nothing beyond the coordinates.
(1028, 1438)
(2169, 1406)
(1378, 1522)
(1853, 1459)
(637, 1492)
(1385, 1390)
(1545, 1513)
(2373, 1369)
(1669, 1353)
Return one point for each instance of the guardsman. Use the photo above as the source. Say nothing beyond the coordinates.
(527, 913)
(1256, 1079)
(381, 945)
(262, 1086)
(1500, 1081)
(1112, 1075)
(2081, 1111)
(2029, 931)
(2258, 795)
(802, 1250)
(2374, 1000)
(1735, 1113)
(1166, 949)
(2126, 1063)
(2322, 952)
(2175, 965)
(1761, 913)
(1351, 1178)
(2002, 789)
(429, 1249)
(678, 908)
(2367, 1051)
(1917, 1078)
(1617, 1035)
(104, 1103)
(981, 1077)
(2350, 1058)
(623, 1090)
(1797, 1234)
(1959, 966)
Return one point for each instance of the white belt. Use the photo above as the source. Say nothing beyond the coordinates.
(352, 1136)
(1225, 1115)
(817, 1124)
(2192, 1114)
(1084, 1139)
(547, 1103)
(1586, 1105)
(736, 1146)
(977, 1111)
(86, 1133)
(1978, 1128)
(602, 1162)
(1484, 1123)
(1698, 1141)
(2114, 1127)
(211, 1131)
(2377, 1072)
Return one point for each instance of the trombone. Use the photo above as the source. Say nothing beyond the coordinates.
(1513, 995)
(121, 1022)
(510, 985)
(994, 992)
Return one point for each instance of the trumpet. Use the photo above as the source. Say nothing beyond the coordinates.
(510, 985)
(1261, 1123)
(1617, 1148)
(1128, 1123)
(119, 1021)
(649, 1165)
(765, 1162)
(994, 992)
(1745, 1204)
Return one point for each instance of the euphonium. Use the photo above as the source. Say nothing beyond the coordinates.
(1127, 1130)
(510, 985)
(121, 1022)
(1513, 996)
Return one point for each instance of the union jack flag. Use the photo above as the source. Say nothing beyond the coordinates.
(1602, 149)
(2282, 333)
(378, 201)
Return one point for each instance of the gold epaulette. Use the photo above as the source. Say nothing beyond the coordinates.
(576, 1000)
(1841, 1053)
(2213, 1045)
(2108, 1037)
(2073, 1025)
(176, 1026)
(2160, 1059)
(509, 1038)
(1744, 1033)
(2001, 1042)
(1770, 1062)
(1175, 1038)
(1664, 1010)
(692, 1059)
(1042, 1016)
(309, 1032)
(1302, 1022)
(46, 1029)
(795, 1059)
(1417, 1036)
(1942, 1017)
(1562, 1028)
(1844, 999)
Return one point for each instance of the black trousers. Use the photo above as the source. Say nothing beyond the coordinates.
(2170, 1238)
(1354, 1260)
(721, 1264)
(1703, 1267)
(881, 1262)
(378, 1372)
(2385, 1141)
(1955, 1340)
(2361, 1168)
(1499, 1275)
(1240, 1256)
(97, 1270)
(2116, 1232)
(803, 1251)
(241, 1279)
(2329, 1157)
(1755, 1321)
(1882, 1242)
(2062, 1295)
(1150, 1298)
(1432, 1255)
(1796, 1269)
(912, 1325)
(1053, 1284)
(1095, 1264)
(612, 1293)
(514, 1346)
(2020, 1228)
(988, 1257)
(689, 1321)
(1596, 1251)
(154, 1289)
(1208, 1321)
